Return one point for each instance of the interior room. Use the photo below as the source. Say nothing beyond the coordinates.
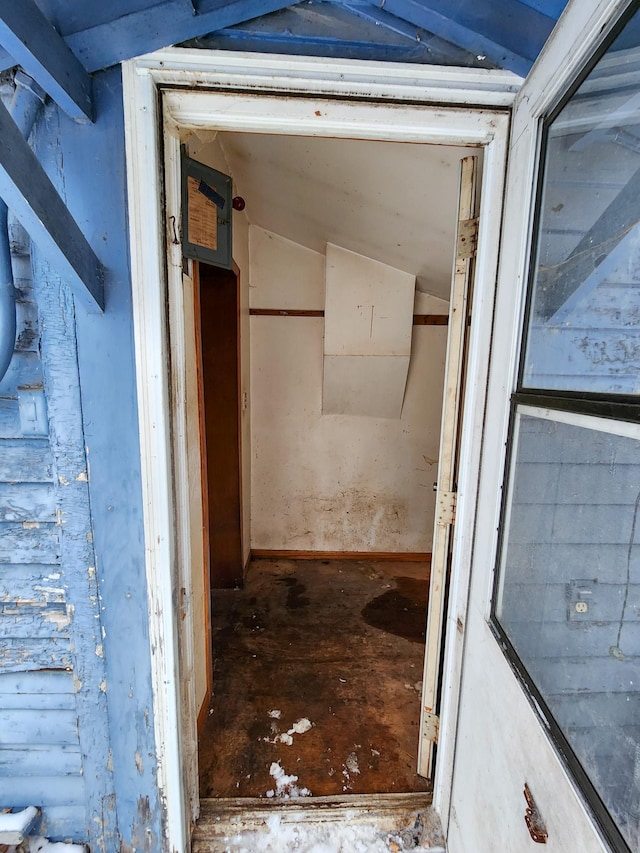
(320, 363)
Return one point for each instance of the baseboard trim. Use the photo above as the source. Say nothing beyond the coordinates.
(379, 556)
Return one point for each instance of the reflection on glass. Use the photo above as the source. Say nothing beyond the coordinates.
(569, 598)
(584, 330)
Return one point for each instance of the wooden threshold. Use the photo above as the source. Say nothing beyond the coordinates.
(221, 819)
(379, 556)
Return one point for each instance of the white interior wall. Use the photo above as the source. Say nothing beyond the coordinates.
(334, 482)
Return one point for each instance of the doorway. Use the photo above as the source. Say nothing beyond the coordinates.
(218, 330)
(158, 300)
(339, 500)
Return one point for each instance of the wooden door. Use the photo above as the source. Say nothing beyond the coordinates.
(447, 477)
(219, 328)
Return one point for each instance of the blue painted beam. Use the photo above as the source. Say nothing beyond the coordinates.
(248, 40)
(440, 51)
(28, 192)
(27, 35)
(505, 32)
(6, 60)
(167, 23)
(551, 8)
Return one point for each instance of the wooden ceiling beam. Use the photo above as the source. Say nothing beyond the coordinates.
(28, 37)
(165, 24)
(28, 192)
(507, 33)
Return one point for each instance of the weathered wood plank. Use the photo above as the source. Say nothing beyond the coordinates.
(29, 193)
(20, 544)
(28, 36)
(9, 417)
(577, 484)
(576, 559)
(20, 621)
(48, 682)
(605, 603)
(30, 760)
(27, 334)
(21, 655)
(166, 23)
(31, 584)
(62, 822)
(617, 709)
(595, 525)
(37, 702)
(589, 675)
(25, 461)
(44, 790)
(39, 727)
(25, 369)
(27, 502)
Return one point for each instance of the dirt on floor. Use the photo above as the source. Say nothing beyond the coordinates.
(317, 679)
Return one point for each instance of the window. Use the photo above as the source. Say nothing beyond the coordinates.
(567, 599)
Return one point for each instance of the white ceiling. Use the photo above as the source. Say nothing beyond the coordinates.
(393, 202)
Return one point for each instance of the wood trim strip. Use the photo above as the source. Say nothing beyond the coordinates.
(402, 557)
(430, 319)
(418, 319)
(204, 491)
(284, 312)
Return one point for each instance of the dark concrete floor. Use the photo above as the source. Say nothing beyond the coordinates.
(317, 671)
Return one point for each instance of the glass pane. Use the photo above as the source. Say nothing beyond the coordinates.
(569, 597)
(584, 330)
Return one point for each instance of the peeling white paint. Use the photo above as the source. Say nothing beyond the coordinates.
(82, 477)
(60, 620)
(100, 650)
(63, 480)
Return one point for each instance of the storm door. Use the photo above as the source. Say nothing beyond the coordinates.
(567, 599)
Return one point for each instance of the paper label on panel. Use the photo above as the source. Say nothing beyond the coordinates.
(202, 216)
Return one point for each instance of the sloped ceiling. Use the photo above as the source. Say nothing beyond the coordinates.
(392, 202)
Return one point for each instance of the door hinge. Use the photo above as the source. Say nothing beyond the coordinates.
(467, 238)
(430, 726)
(447, 502)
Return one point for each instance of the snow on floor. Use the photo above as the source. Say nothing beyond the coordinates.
(323, 838)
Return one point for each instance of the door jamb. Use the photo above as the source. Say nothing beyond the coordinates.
(156, 265)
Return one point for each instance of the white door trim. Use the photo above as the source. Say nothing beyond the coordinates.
(259, 102)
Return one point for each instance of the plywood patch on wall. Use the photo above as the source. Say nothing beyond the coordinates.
(367, 335)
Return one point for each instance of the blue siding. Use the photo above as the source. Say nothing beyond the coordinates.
(93, 157)
(54, 750)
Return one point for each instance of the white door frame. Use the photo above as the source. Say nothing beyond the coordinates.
(176, 90)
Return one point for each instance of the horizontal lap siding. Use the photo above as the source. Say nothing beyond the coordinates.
(40, 756)
(572, 520)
